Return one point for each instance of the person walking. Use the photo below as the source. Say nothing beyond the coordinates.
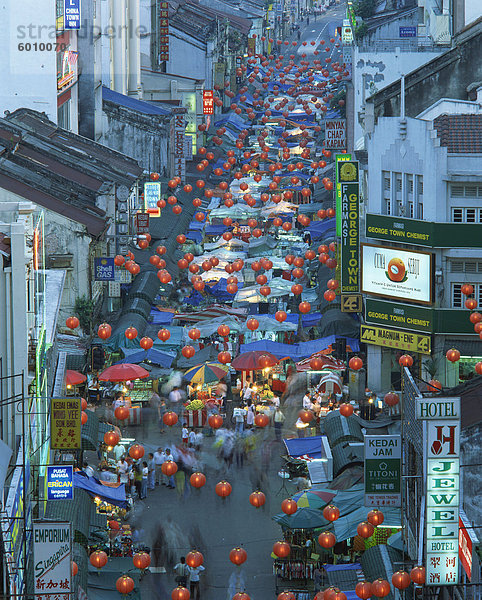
(168, 456)
(238, 414)
(158, 460)
(151, 465)
(137, 469)
(278, 419)
(144, 477)
(185, 435)
(182, 572)
(250, 415)
(194, 581)
(122, 471)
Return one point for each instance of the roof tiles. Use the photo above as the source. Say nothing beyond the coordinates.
(460, 133)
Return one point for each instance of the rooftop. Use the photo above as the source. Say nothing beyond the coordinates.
(460, 133)
(146, 108)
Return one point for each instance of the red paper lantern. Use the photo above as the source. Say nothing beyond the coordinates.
(131, 333)
(331, 592)
(111, 438)
(114, 525)
(252, 324)
(286, 596)
(453, 355)
(241, 596)
(327, 539)
(471, 303)
(74, 567)
(467, 289)
(401, 580)
(391, 399)
(346, 409)
(306, 416)
(83, 403)
(224, 357)
(161, 250)
(104, 331)
(355, 363)
(365, 529)
(281, 549)
(380, 588)
(475, 318)
(329, 295)
(169, 468)
(119, 260)
(363, 590)
(121, 413)
(194, 559)
(72, 322)
(215, 421)
(223, 489)
(304, 307)
(170, 418)
(197, 480)
(136, 451)
(289, 506)
(417, 575)
(405, 360)
(84, 417)
(188, 351)
(257, 499)
(180, 593)
(331, 512)
(141, 560)
(478, 368)
(280, 316)
(146, 343)
(434, 384)
(98, 559)
(375, 517)
(261, 420)
(194, 333)
(238, 556)
(223, 330)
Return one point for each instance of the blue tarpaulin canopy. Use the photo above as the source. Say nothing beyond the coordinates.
(93, 487)
(322, 229)
(160, 317)
(299, 446)
(157, 357)
(297, 351)
(308, 320)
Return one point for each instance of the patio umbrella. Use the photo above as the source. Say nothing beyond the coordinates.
(304, 518)
(123, 372)
(313, 498)
(206, 373)
(74, 377)
(250, 361)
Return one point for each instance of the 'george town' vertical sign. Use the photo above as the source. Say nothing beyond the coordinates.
(443, 474)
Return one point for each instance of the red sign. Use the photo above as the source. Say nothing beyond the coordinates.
(141, 221)
(208, 102)
(164, 31)
(465, 548)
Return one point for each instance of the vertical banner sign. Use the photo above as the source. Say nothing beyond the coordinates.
(152, 194)
(65, 423)
(443, 474)
(71, 14)
(60, 482)
(350, 226)
(141, 222)
(339, 158)
(52, 553)
(335, 133)
(179, 156)
(208, 102)
(164, 31)
(383, 468)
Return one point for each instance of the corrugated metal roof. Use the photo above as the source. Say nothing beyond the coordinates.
(345, 456)
(90, 432)
(76, 510)
(341, 429)
(378, 562)
(141, 106)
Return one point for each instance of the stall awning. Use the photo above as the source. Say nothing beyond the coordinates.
(76, 510)
(309, 446)
(339, 428)
(297, 351)
(94, 487)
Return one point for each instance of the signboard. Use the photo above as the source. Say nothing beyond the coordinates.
(350, 237)
(104, 269)
(383, 468)
(423, 233)
(397, 273)
(346, 34)
(71, 14)
(351, 303)
(468, 541)
(152, 194)
(52, 553)
(407, 32)
(164, 31)
(339, 158)
(60, 482)
(335, 133)
(393, 338)
(438, 408)
(65, 423)
(141, 222)
(179, 156)
(443, 479)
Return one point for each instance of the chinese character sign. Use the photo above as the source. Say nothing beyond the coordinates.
(179, 156)
(65, 423)
(104, 269)
(152, 194)
(52, 552)
(164, 32)
(208, 102)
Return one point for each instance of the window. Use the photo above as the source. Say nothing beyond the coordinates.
(458, 299)
(420, 185)
(410, 184)
(388, 206)
(411, 212)
(467, 215)
(386, 181)
(467, 190)
(466, 266)
(398, 180)
(420, 210)
(63, 115)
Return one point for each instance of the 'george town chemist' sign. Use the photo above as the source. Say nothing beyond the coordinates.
(443, 468)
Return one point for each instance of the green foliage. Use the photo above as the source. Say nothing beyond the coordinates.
(361, 31)
(84, 308)
(364, 8)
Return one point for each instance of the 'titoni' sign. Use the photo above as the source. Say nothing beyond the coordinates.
(383, 455)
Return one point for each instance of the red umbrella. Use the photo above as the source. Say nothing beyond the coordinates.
(254, 360)
(123, 372)
(74, 377)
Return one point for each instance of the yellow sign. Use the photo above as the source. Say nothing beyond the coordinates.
(351, 303)
(393, 338)
(65, 423)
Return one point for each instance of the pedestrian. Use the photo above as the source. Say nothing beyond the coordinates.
(161, 412)
(199, 440)
(180, 479)
(174, 399)
(151, 465)
(192, 438)
(137, 470)
(238, 414)
(144, 478)
(168, 456)
(247, 392)
(299, 34)
(250, 415)
(221, 392)
(158, 460)
(185, 434)
(194, 582)
(122, 471)
(88, 470)
(182, 572)
(278, 419)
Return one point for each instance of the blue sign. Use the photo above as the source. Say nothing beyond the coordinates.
(152, 193)
(60, 482)
(71, 14)
(104, 269)
(405, 32)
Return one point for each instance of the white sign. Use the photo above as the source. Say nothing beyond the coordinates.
(335, 133)
(438, 408)
(443, 479)
(179, 147)
(52, 553)
(346, 34)
(386, 446)
(382, 467)
(397, 273)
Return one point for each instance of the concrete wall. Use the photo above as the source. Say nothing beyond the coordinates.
(188, 57)
(28, 78)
